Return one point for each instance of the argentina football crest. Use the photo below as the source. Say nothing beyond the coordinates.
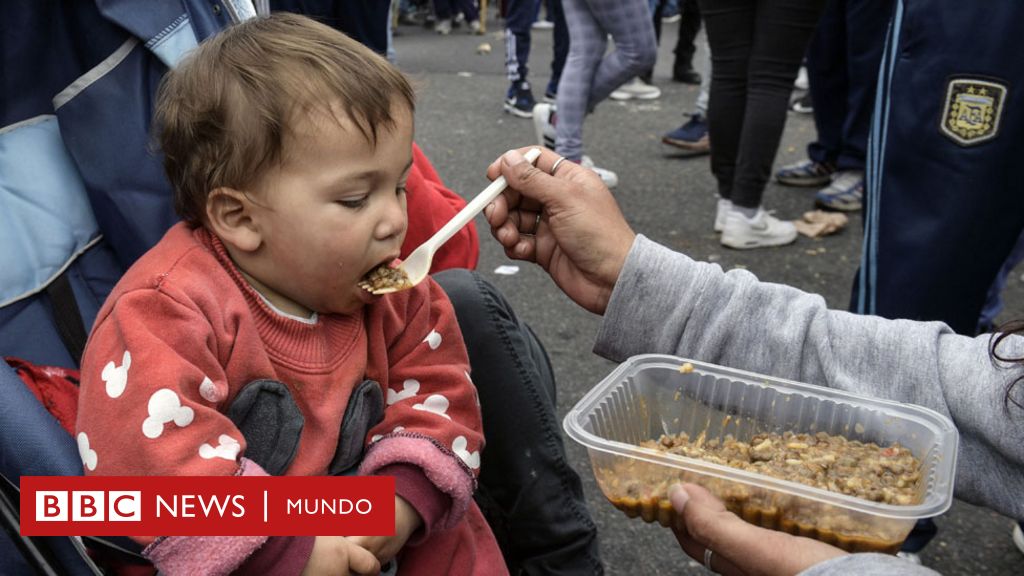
(972, 110)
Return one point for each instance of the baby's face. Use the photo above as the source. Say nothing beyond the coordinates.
(333, 210)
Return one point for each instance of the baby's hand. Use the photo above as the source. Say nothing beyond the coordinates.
(339, 556)
(407, 521)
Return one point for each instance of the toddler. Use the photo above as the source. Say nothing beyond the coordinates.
(241, 344)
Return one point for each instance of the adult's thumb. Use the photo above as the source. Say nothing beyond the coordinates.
(706, 518)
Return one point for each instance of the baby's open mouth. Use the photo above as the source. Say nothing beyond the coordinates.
(384, 276)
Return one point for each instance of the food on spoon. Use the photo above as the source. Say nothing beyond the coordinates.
(384, 277)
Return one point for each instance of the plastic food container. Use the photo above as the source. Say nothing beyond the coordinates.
(648, 396)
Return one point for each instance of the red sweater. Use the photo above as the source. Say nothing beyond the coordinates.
(182, 332)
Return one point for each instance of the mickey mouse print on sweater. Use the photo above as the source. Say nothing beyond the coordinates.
(163, 408)
(435, 403)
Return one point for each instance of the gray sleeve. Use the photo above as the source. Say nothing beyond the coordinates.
(868, 565)
(666, 303)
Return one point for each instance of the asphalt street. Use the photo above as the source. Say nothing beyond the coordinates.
(670, 198)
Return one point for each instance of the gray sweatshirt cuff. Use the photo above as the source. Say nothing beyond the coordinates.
(864, 564)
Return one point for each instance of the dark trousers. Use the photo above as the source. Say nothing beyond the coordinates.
(445, 9)
(521, 15)
(842, 63)
(532, 498)
(756, 49)
(689, 26)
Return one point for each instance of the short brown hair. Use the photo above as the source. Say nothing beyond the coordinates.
(222, 114)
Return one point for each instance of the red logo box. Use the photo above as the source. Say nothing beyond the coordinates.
(207, 506)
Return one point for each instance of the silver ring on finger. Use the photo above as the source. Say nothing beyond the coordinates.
(554, 167)
(707, 560)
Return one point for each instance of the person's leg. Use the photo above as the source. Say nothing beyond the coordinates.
(826, 71)
(630, 25)
(701, 106)
(782, 31)
(519, 99)
(442, 9)
(469, 10)
(587, 43)
(657, 8)
(561, 45)
(692, 136)
(730, 29)
(391, 54)
(443, 16)
(866, 25)
(517, 39)
(994, 299)
(689, 26)
(530, 495)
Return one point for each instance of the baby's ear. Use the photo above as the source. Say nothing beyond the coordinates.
(229, 215)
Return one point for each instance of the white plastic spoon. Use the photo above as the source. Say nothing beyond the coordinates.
(417, 265)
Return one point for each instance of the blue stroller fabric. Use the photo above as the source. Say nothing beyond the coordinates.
(82, 195)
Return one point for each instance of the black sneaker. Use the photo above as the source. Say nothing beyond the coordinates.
(685, 74)
(519, 100)
(803, 105)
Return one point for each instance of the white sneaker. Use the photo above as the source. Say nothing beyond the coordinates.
(721, 211)
(802, 82)
(761, 231)
(609, 178)
(443, 27)
(544, 116)
(636, 88)
(1018, 538)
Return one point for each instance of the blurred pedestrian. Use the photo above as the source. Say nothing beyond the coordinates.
(842, 71)
(519, 22)
(591, 74)
(756, 49)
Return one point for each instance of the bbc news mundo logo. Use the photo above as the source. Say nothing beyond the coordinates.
(88, 506)
(207, 506)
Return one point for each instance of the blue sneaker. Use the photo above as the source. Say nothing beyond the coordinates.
(805, 173)
(844, 194)
(691, 136)
(519, 100)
